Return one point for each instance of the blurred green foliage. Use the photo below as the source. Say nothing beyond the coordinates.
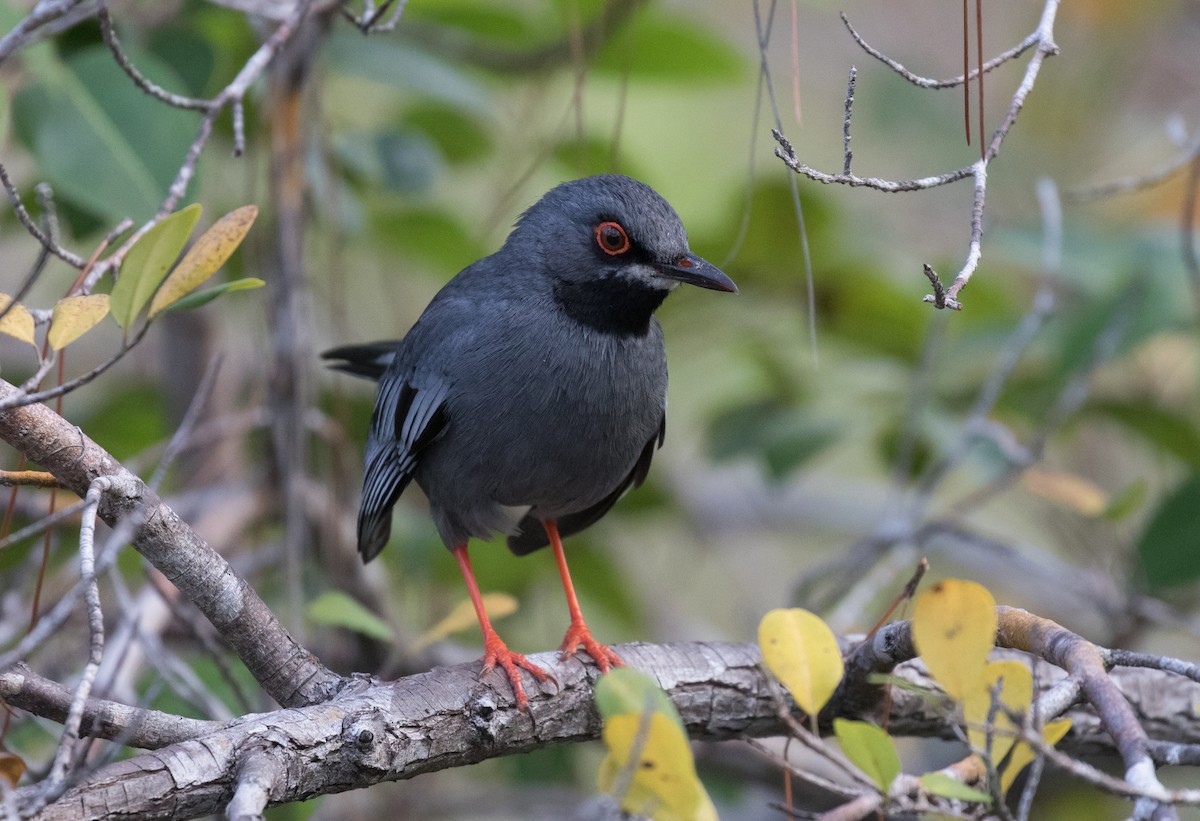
(423, 150)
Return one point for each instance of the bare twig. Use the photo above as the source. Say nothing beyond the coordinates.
(55, 782)
(1128, 185)
(22, 396)
(42, 20)
(154, 90)
(74, 260)
(27, 478)
(924, 82)
(1043, 39)
(849, 108)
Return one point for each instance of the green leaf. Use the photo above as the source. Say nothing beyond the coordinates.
(622, 691)
(1168, 431)
(86, 125)
(205, 256)
(870, 749)
(664, 47)
(1166, 551)
(942, 785)
(1125, 503)
(195, 300)
(399, 65)
(336, 609)
(147, 263)
(783, 436)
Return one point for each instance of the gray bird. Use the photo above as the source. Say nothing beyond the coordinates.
(531, 394)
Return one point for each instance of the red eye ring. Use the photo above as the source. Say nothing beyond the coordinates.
(612, 239)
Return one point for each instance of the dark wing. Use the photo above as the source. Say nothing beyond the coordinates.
(369, 360)
(531, 534)
(409, 414)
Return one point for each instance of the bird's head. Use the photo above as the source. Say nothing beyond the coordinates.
(612, 232)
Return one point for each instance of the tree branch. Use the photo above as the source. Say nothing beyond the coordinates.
(287, 671)
(386, 731)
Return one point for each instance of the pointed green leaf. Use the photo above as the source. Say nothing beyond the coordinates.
(336, 609)
(1166, 552)
(205, 256)
(148, 261)
(870, 749)
(940, 784)
(75, 316)
(195, 300)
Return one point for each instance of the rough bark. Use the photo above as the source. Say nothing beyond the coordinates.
(386, 731)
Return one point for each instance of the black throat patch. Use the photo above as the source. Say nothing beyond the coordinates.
(611, 305)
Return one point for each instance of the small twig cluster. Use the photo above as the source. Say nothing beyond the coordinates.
(1042, 41)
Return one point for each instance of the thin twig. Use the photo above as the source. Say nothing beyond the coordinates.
(849, 108)
(74, 260)
(1043, 38)
(22, 397)
(924, 82)
(140, 80)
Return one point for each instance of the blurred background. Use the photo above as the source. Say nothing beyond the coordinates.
(820, 441)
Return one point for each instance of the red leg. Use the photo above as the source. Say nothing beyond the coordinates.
(578, 634)
(495, 651)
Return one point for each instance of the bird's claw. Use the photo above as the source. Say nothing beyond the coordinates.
(497, 653)
(578, 635)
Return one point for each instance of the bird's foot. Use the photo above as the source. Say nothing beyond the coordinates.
(496, 652)
(578, 635)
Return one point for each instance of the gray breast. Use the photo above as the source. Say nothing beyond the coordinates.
(550, 418)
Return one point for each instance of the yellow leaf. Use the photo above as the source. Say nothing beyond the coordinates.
(75, 316)
(802, 652)
(1016, 694)
(206, 255)
(462, 617)
(1066, 489)
(17, 321)
(664, 784)
(1023, 754)
(954, 627)
(12, 767)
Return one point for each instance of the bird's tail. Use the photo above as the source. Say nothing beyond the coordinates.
(368, 360)
(374, 530)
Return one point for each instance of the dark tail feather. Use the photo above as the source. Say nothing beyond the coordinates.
(383, 482)
(368, 360)
(374, 530)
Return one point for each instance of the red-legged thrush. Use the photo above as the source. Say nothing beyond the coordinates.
(531, 394)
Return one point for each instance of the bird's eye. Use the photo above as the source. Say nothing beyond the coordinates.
(611, 238)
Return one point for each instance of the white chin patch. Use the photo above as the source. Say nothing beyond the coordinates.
(649, 277)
